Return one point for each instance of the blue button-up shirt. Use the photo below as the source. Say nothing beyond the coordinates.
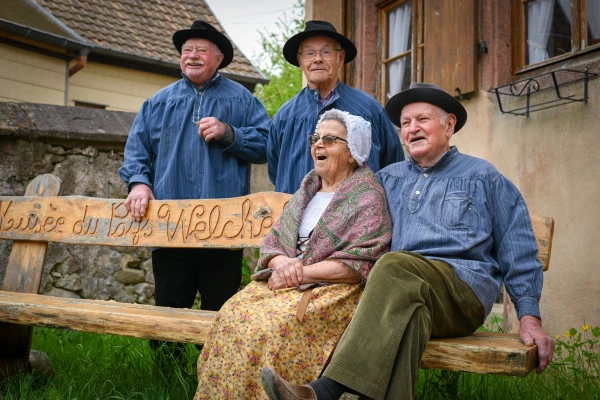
(464, 212)
(165, 152)
(288, 149)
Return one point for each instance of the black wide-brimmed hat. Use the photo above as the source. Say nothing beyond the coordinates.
(426, 93)
(317, 28)
(204, 30)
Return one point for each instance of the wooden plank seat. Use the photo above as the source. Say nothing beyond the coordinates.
(33, 221)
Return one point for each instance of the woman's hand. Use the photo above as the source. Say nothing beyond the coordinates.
(287, 273)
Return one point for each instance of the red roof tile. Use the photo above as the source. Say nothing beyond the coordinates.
(141, 27)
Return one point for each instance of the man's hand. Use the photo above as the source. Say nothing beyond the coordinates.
(210, 128)
(137, 201)
(287, 273)
(531, 332)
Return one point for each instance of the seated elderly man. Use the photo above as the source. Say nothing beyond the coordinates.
(460, 229)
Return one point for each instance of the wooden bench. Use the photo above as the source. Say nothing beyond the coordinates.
(41, 216)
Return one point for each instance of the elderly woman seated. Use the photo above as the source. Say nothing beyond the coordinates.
(311, 271)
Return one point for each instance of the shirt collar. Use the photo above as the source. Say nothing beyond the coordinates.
(327, 99)
(206, 84)
(444, 159)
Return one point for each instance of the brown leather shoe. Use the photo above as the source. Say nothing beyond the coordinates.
(278, 389)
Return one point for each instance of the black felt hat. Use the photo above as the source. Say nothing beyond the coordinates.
(317, 28)
(204, 30)
(426, 93)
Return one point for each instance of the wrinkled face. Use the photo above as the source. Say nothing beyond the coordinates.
(332, 162)
(425, 135)
(320, 58)
(200, 59)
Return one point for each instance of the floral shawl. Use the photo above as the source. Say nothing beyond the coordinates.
(355, 228)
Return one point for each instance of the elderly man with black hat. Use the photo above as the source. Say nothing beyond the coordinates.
(195, 139)
(320, 51)
(460, 230)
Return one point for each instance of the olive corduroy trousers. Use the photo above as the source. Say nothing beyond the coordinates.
(407, 299)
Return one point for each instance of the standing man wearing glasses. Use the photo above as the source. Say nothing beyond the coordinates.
(195, 139)
(320, 51)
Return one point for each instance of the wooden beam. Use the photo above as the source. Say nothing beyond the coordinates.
(482, 352)
(107, 317)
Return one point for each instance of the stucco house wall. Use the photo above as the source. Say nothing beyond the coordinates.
(122, 88)
(551, 157)
(31, 76)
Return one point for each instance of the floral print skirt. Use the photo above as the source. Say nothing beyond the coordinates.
(258, 328)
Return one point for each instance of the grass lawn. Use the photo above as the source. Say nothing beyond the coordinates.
(93, 366)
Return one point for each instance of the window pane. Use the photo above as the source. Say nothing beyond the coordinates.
(548, 29)
(399, 21)
(593, 13)
(399, 74)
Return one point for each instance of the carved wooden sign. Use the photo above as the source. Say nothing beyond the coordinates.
(234, 223)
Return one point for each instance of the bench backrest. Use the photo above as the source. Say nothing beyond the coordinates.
(543, 228)
(225, 223)
(33, 221)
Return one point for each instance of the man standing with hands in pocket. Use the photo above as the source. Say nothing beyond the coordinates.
(195, 139)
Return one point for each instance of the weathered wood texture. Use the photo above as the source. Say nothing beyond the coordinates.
(26, 260)
(482, 352)
(543, 227)
(107, 317)
(24, 274)
(224, 223)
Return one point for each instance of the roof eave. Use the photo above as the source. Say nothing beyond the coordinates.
(102, 53)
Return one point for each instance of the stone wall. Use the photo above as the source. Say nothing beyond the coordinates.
(84, 148)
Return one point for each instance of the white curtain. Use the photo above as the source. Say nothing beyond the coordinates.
(399, 25)
(539, 22)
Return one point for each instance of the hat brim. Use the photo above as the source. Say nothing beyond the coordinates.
(290, 48)
(437, 97)
(222, 42)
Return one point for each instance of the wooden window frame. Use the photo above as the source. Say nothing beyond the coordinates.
(578, 36)
(443, 44)
(417, 44)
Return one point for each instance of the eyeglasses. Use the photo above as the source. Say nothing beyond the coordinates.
(326, 54)
(328, 140)
(199, 50)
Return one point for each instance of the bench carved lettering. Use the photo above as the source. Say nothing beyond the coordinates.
(243, 221)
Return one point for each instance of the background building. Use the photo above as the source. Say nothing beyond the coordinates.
(100, 54)
(473, 47)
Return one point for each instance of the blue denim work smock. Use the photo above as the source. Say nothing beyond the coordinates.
(464, 212)
(165, 152)
(288, 150)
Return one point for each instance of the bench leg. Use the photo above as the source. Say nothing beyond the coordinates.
(24, 274)
(15, 341)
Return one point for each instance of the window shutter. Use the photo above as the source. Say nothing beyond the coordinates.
(449, 54)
